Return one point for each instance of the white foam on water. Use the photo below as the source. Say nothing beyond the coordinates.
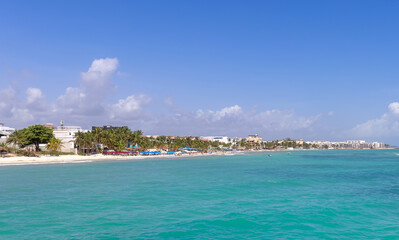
(42, 163)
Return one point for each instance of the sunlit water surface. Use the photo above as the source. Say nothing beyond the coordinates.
(301, 195)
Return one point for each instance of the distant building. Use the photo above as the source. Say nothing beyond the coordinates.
(300, 142)
(254, 138)
(105, 127)
(222, 139)
(49, 125)
(67, 135)
(5, 132)
(350, 144)
(377, 145)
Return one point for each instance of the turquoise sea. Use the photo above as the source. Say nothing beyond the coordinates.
(302, 195)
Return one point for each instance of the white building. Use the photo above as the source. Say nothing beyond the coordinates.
(67, 136)
(5, 132)
(350, 144)
(254, 138)
(378, 145)
(222, 139)
(355, 142)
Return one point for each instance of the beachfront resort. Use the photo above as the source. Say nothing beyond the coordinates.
(48, 139)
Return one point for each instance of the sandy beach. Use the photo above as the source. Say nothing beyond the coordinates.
(20, 160)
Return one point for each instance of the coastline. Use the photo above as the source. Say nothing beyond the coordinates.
(21, 160)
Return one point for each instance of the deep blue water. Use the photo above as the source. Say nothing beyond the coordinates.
(302, 195)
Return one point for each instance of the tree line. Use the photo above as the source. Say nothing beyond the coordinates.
(99, 139)
(123, 138)
(34, 135)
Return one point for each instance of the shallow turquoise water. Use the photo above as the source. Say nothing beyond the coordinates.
(305, 195)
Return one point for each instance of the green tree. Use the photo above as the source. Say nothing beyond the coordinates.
(136, 137)
(15, 139)
(36, 135)
(84, 141)
(54, 145)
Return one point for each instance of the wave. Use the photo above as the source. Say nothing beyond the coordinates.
(42, 163)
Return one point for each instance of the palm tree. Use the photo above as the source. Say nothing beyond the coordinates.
(136, 138)
(15, 139)
(54, 145)
(97, 135)
(84, 140)
(79, 139)
(107, 139)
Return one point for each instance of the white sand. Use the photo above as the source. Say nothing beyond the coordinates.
(92, 158)
(58, 159)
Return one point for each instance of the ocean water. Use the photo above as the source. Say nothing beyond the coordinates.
(302, 195)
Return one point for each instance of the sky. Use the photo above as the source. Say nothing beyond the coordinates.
(316, 70)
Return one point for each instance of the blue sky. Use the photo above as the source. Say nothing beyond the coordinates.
(301, 69)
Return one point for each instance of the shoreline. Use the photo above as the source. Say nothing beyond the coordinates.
(22, 160)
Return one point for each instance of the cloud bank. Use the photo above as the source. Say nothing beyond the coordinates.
(236, 121)
(95, 85)
(385, 126)
(86, 105)
(78, 105)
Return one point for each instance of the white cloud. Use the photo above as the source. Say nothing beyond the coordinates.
(95, 85)
(16, 111)
(73, 98)
(227, 111)
(22, 114)
(213, 116)
(394, 107)
(83, 103)
(87, 105)
(100, 73)
(234, 121)
(385, 126)
(7, 101)
(277, 120)
(129, 108)
(33, 95)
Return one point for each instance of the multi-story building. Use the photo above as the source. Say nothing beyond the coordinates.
(67, 135)
(222, 139)
(254, 139)
(5, 132)
(299, 142)
(105, 127)
(350, 144)
(377, 145)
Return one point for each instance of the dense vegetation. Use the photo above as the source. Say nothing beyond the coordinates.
(123, 138)
(35, 134)
(272, 145)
